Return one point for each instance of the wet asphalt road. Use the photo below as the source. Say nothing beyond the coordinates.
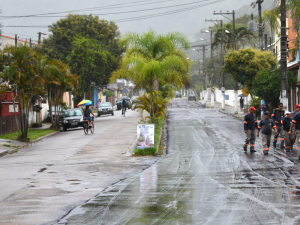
(205, 179)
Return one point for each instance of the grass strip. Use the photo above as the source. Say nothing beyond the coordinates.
(152, 151)
(32, 134)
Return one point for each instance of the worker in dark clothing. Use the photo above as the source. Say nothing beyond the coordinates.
(297, 109)
(296, 124)
(250, 123)
(289, 139)
(266, 125)
(277, 115)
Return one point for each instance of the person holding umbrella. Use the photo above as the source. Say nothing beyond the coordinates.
(87, 112)
(242, 103)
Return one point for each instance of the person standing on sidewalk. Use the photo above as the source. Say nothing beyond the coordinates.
(297, 109)
(296, 124)
(277, 115)
(250, 123)
(289, 139)
(266, 125)
(241, 103)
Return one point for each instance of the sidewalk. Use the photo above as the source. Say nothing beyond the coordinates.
(11, 146)
(228, 109)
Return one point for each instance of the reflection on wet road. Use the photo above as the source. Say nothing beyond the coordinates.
(205, 179)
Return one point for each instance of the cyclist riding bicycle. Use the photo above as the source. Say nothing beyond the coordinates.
(87, 114)
(124, 105)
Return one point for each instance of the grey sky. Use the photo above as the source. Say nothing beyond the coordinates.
(188, 22)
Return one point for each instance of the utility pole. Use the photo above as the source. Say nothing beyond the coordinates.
(266, 42)
(16, 40)
(212, 63)
(198, 50)
(30, 42)
(40, 36)
(283, 51)
(235, 83)
(260, 25)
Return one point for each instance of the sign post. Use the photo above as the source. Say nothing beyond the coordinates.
(145, 136)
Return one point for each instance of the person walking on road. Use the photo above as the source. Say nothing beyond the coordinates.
(266, 125)
(242, 103)
(296, 124)
(250, 123)
(289, 139)
(297, 109)
(277, 115)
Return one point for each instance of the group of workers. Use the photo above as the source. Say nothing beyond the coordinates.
(285, 124)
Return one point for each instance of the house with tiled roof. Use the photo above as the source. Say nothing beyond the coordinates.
(7, 40)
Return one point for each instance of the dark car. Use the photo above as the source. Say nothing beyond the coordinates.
(120, 99)
(72, 118)
(105, 108)
(192, 97)
(178, 95)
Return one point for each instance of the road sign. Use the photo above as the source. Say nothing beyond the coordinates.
(213, 88)
(245, 92)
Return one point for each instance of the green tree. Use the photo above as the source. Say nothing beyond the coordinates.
(266, 85)
(271, 17)
(60, 43)
(230, 39)
(245, 64)
(23, 78)
(152, 58)
(92, 63)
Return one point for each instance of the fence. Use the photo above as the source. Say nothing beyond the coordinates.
(8, 124)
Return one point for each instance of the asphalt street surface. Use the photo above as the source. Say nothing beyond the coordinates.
(40, 184)
(205, 179)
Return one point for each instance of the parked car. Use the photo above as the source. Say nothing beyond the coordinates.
(58, 111)
(72, 118)
(105, 108)
(192, 97)
(178, 95)
(120, 99)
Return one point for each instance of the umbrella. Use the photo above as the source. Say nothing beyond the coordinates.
(85, 102)
(241, 95)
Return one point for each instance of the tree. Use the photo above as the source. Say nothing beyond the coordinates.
(60, 43)
(244, 64)
(23, 78)
(151, 58)
(266, 85)
(92, 63)
(230, 39)
(271, 17)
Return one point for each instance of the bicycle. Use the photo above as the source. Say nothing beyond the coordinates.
(86, 125)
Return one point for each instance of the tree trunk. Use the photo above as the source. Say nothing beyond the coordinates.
(17, 122)
(50, 107)
(151, 105)
(155, 88)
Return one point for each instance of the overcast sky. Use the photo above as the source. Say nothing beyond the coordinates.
(187, 16)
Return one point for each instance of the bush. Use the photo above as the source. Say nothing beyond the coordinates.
(144, 151)
(108, 93)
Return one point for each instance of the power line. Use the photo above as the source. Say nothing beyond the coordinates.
(142, 17)
(132, 11)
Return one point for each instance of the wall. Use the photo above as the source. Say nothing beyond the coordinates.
(230, 94)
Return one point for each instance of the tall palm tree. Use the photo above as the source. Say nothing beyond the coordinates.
(230, 39)
(151, 59)
(272, 18)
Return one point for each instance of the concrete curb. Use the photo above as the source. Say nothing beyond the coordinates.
(129, 152)
(14, 150)
(233, 115)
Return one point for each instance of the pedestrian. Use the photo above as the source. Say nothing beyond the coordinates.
(296, 124)
(297, 109)
(266, 125)
(277, 115)
(289, 139)
(242, 103)
(250, 123)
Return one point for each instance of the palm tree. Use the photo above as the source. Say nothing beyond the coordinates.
(272, 17)
(152, 59)
(230, 39)
(22, 75)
